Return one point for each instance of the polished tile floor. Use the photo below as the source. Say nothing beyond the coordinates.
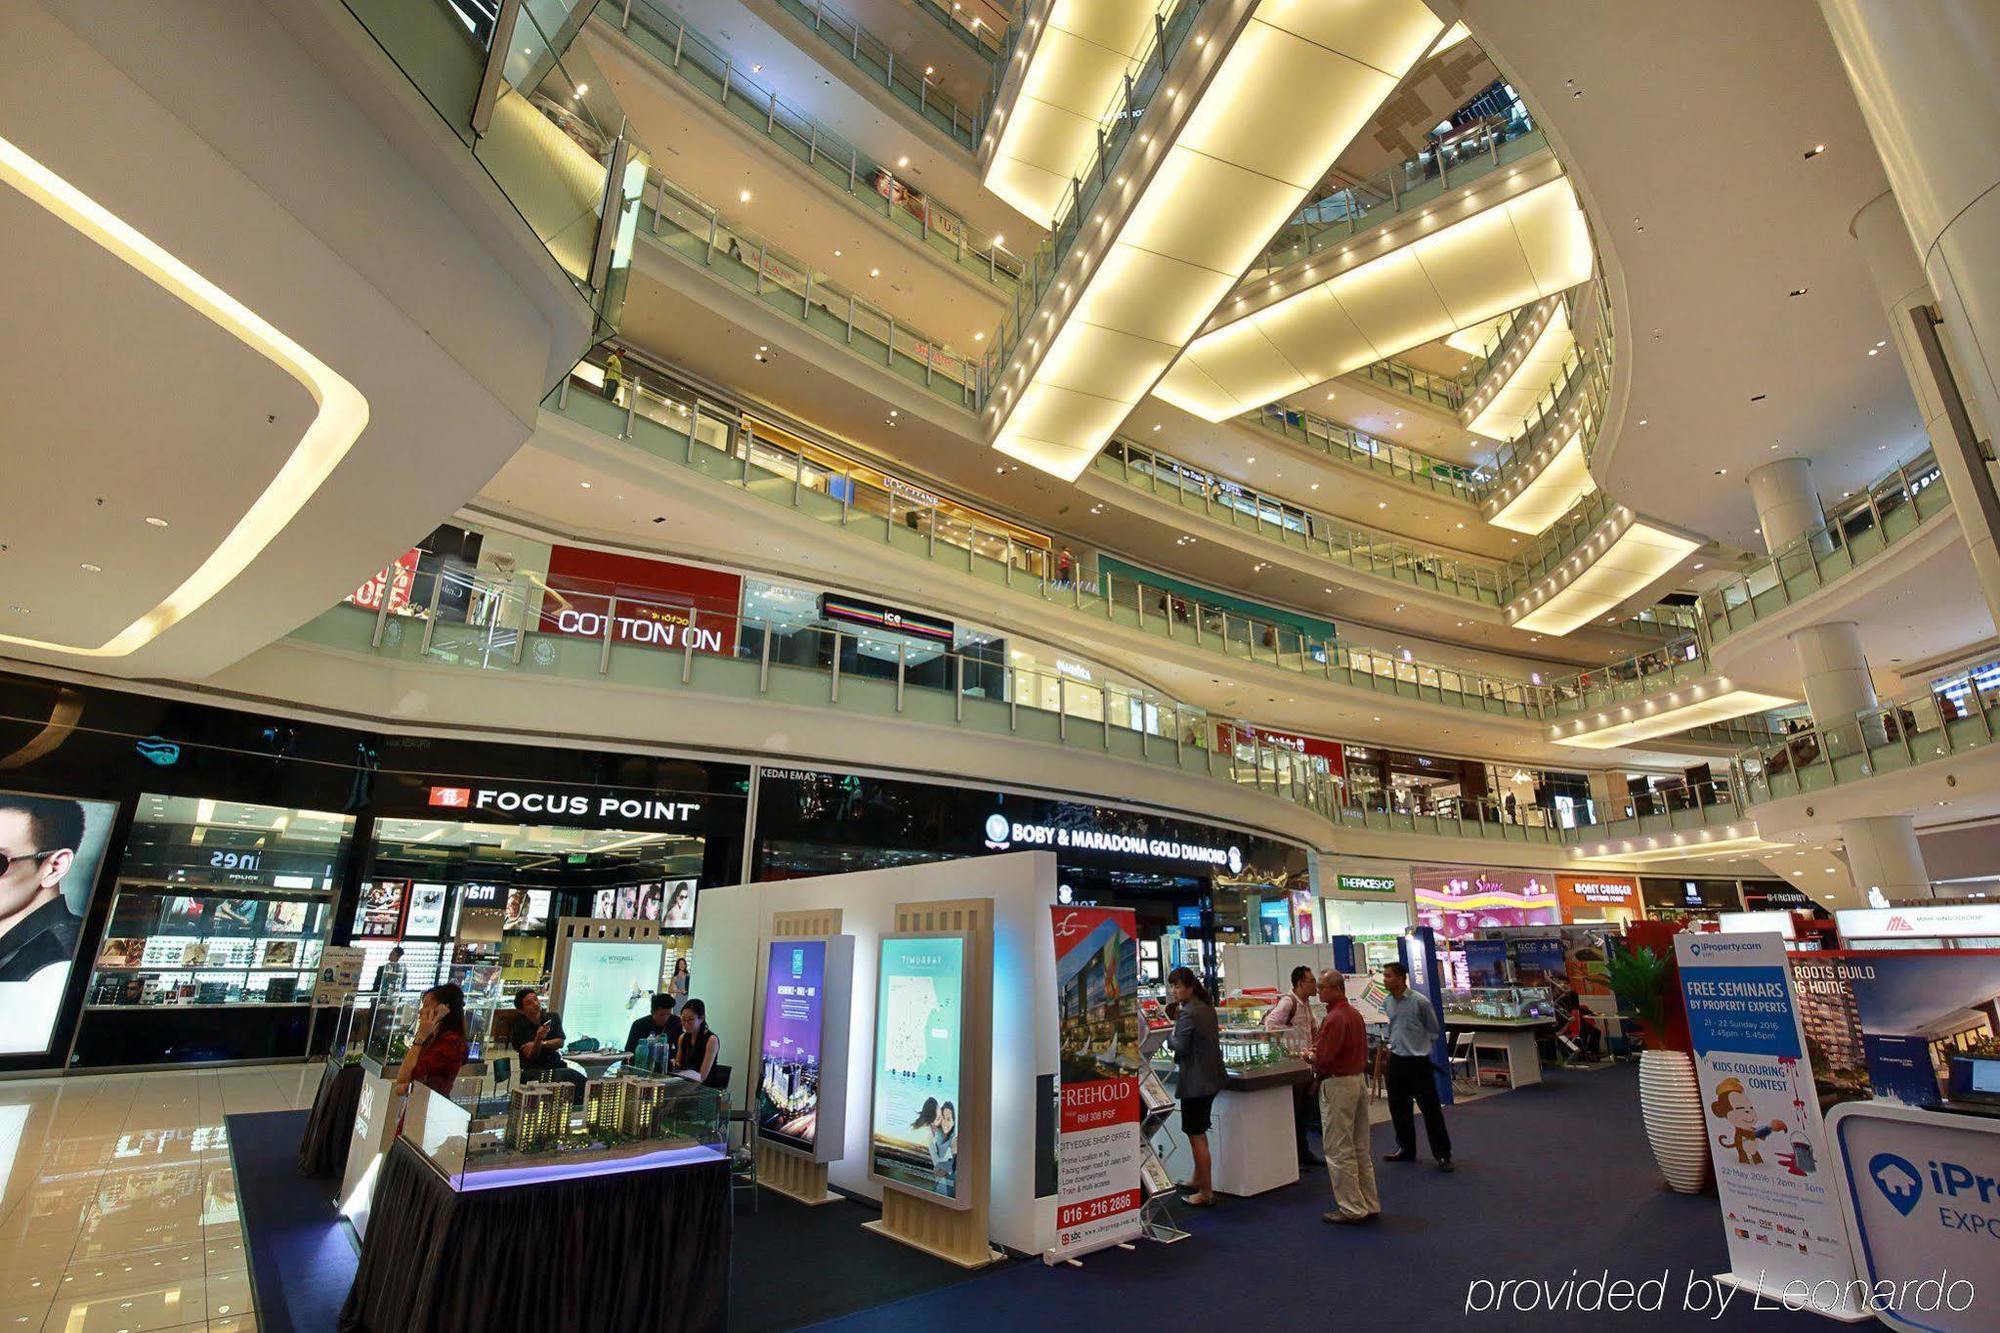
(120, 1205)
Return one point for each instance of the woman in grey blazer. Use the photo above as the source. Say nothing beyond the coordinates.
(1197, 1046)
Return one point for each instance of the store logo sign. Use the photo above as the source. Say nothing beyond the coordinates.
(1365, 883)
(158, 750)
(451, 798)
(1899, 1181)
(574, 805)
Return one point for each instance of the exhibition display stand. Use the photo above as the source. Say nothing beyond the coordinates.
(330, 1123)
(1516, 1040)
(1251, 1145)
(634, 1248)
(376, 1114)
(785, 1168)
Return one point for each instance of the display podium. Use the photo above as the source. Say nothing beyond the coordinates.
(956, 1231)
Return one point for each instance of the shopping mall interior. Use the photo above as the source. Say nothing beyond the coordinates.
(742, 664)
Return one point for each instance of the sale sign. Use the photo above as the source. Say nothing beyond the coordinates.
(393, 582)
(1099, 1143)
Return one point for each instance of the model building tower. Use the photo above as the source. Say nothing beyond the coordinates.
(605, 1101)
(642, 1106)
(536, 1115)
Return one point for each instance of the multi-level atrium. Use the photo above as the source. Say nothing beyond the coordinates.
(560, 489)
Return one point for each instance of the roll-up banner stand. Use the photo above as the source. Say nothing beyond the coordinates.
(1099, 1142)
(1781, 1210)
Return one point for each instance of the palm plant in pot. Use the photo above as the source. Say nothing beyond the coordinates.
(1642, 978)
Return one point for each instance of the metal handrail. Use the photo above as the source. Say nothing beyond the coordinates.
(914, 87)
(1345, 444)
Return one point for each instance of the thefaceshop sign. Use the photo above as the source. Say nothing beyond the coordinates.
(597, 808)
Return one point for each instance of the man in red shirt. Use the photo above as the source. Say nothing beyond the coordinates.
(1339, 1057)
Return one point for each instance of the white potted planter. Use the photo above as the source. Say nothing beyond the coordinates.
(1670, 1099)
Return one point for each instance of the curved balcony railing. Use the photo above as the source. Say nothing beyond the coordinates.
(1950, 717)
(1889, 511)
(661, 424)
(1344, 444)
(1440, 391)
(971, 30)
(1558, 542)
(587, 631)
(713, 74)
(694, 231)
(911, 85)
(1575, 400)
(1333, 218)
(1664, 668)
(1116, 128)
(1673, 809)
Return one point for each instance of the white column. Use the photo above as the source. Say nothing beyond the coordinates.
(1833, 670)
(1787, 505)
(1882, 853)
(1900, 281)
(1924, 74)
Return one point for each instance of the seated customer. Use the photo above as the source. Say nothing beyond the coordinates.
(538, 1038)
(437, 1048)
(659, 1023)
(694, 1055)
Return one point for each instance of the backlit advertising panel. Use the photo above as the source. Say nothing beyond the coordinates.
(802, 1063)
(54, 846)
(919, 1054)
(607, 984)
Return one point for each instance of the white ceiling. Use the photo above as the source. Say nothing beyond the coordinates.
(1686, 127)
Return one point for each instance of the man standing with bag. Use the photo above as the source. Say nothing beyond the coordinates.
(1413, 1027)
(1292, 1015)
(1339, 1057)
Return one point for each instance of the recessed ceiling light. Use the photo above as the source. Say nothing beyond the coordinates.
(1798, 291)
(1722, 472)
(584, 484)
(1249, 460)
(89, 568)
(902, 161)
(1642, 421)
(1382, 504)
(979, 337)
(874, 272)
(1815, 151)
(1874, 351)
(1883, 343)
(999, 240)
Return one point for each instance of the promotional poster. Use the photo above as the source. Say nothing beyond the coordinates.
(426, 910)
(1925, 1013)
(1540, 962)
(678, 913)
(1823, 988)
(788, 1084)
(1765, 1134)
(606, 985)
(1099, 1145)
(919, 1037)
(54, 848)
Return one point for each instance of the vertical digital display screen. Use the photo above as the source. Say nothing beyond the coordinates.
(919, 1050)
(788, 1084)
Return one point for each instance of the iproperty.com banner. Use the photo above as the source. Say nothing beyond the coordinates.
(1100, 1140)
(1761, 1111)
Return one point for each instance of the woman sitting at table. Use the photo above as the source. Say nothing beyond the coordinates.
(694, 1054)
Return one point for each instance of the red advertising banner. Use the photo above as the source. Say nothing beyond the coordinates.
(659, 604)
(1099, 1142)
(395, 580)
(1598, 897)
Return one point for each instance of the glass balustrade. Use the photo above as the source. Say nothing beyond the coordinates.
(661, 423)
(554, 141)
(1888, 512)
(970, 29)
(1356, 448)
(1635, 677)
(1331, 218)
(1950, 717)
(1671, 809)
(909, 84)
(692, 230)
(713, 74)
(1440, 391)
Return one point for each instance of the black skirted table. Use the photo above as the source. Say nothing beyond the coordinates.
(330, 1123)
(555, 1248)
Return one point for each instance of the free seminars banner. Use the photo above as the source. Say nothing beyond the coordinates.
(1099, 1141)
(1780, 1210)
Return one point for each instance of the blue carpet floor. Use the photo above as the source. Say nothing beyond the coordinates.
(1550, 1178)
(301, 1260)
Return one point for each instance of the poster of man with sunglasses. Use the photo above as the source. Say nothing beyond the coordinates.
(52, 846)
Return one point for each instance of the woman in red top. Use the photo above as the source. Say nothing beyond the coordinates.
(437, 1049)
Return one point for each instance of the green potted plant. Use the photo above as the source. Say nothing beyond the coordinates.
(1642, 977)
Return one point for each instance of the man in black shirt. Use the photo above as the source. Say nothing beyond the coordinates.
(538, 1039)
(659, 1023)
(39, 836)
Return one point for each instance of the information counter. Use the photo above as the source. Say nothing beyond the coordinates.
(1252, 1146)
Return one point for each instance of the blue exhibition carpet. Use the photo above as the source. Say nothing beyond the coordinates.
(1550, 1178)
(301, 1258)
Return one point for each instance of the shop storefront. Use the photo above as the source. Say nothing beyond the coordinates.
(1613, 899)
(1192, 885)
(1689, 899)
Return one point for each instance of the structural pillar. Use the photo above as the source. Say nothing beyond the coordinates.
(1950, 421)
(1787, 505)
(1924, 76)
(1882, 850)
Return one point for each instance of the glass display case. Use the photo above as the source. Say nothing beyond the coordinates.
(1254, 1050)
(378, 1028)
(180, 944)
(544, 1131)
(1524, 1004)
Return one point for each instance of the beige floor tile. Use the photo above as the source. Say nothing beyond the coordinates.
(33, 1218)
(24, 1316)
(167, 1306)
(226, 1253)
(102, 1239)
(134, 1269)
(229, 1296)
(234, 1324)
(24, 1281)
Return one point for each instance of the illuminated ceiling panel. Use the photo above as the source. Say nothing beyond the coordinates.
(1075, 67)
(1641, 554)
(1523, 378)
(1298, 81)
(342, 411)
(1504, 253)
(1696, 704)
(1726, 840)
(1556, 488)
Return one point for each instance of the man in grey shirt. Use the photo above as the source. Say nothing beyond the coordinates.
(1413, 1028)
